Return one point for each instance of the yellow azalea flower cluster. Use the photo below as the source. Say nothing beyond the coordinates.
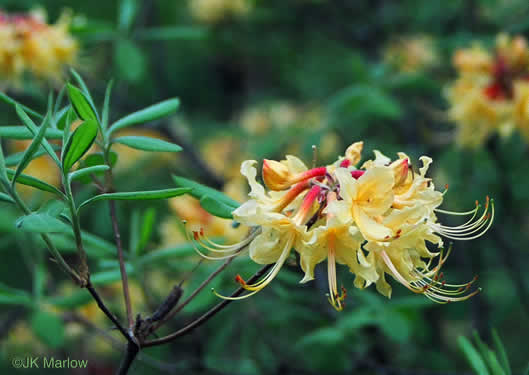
(213, 11)
(376, 219)
(411, 54)
(29, 44)
(491, 93)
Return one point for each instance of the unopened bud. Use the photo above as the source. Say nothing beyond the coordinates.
(276, 175)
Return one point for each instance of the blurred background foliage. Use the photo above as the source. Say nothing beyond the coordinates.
(262, 79)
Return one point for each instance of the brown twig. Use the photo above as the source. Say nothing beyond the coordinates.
(206, 316)
(193, 295)
(117, 237)
(123, 271)
(130, 354)
(107, 312)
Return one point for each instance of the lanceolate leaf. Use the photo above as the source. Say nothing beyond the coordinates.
(12, 296)
(80, 141)
(83, 86)
(106, 105)
(20, 132)
(148, 144)
(49, 328)
(151, 113)
(25, 179)
(8, 100)
(15, 159)
(81, 104)
(215, 207)
(502, 353)
(200, 190)
(34, 130)
(3, 173)
(88, 171)
(472, 356)
(138, 195)
(42, 223)
(6, 198)
(30, 151)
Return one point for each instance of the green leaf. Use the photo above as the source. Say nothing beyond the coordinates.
(28, 180)
(33, 129)
(49, 328)
(147, 228)
(106, 277)
(472, 355)
(20, 132)
(62, 117)
(79, 143)
(12, 296)
(76, 299)
(106, 105)
(138, 195)
(131, 62)
(3, 173)
(53, 207)
(58, 103)
(84, 88)
(151, 113)
(30, 151)
(84, 172)
(97, 158)
(162, 255)
(39, 280)
(200, 190)
(216, 208)
(41, 223)
(81, 104)
(6, 198)
(14, 159)
(147, 144)
(172, 33)
(14, 103)
(127, 13)
(364, 100)
(500, 349)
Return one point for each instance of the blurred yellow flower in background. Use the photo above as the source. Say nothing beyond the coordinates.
(490, 95)
(42, 168)
(411, 54)
(213, 11)
(28, 43)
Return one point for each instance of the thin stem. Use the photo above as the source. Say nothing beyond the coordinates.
(119, 247)
(83, 265)
(107, 312)
(206, 316)
(194, 294)
(123, 271)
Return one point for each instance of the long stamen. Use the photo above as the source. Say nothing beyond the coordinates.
(197, 242)
(434, 289)
(471, 229)
(258, 286)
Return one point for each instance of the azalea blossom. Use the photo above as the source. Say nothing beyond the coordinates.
(378, 220)
(28, 43)
(490, 94)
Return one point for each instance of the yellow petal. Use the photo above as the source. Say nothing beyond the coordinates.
(371, 230)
